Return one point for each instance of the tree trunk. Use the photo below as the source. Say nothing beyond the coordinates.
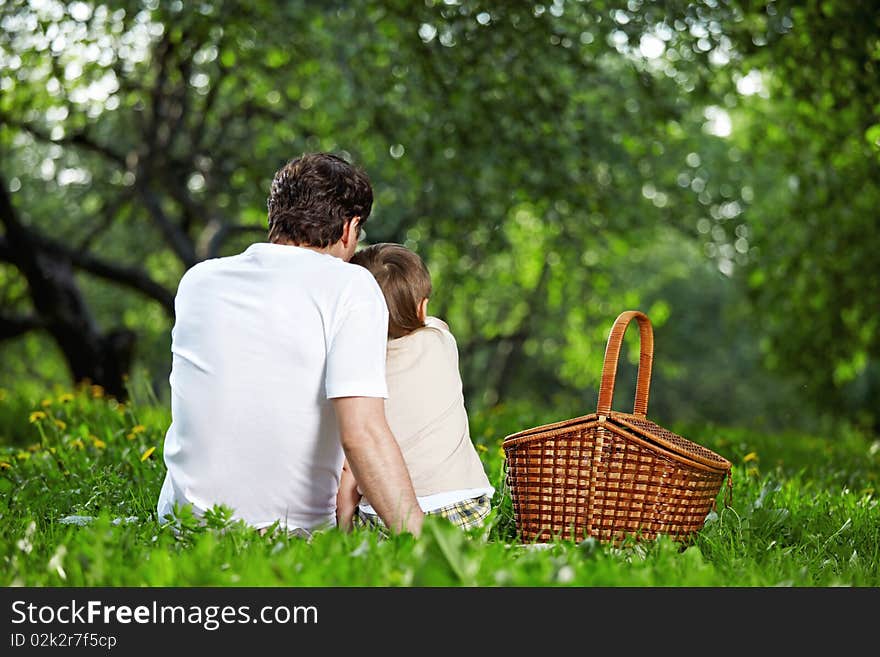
(101, 358)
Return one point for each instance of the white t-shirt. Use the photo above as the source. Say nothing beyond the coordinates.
(261, 343)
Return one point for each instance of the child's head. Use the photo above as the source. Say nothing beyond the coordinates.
(405, 282)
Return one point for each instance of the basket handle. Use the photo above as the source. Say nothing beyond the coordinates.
(612, 354)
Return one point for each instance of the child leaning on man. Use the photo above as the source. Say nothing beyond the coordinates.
(425, 407)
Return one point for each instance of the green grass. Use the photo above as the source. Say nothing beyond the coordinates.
(804, 513)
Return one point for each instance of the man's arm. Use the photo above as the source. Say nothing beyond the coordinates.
(376, 462)
(347, 498)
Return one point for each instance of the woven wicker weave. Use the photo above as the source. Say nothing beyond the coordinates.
(610, 474)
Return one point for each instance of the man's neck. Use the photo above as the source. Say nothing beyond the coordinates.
(332, 250)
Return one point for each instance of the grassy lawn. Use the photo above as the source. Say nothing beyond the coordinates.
(805, 512)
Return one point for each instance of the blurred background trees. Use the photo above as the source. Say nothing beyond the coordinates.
(715, 164)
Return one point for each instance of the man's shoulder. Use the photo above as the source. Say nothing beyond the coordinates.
(331, 276)
(197, 271)
(362, 285)
(206, 269)
(360, 276)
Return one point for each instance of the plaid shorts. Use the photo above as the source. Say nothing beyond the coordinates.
(466, 514)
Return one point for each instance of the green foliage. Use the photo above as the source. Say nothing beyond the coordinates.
(812, 168)
(551, 170)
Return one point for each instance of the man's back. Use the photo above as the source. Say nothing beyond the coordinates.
(261, 342)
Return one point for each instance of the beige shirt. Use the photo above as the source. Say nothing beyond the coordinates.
(426, 412)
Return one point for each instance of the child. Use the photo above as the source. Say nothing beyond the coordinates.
(425, 406)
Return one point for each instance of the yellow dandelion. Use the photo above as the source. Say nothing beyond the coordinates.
(752, 472)
(130, 436)
(147, 454)
(61, 424)
(78, 443)
(4, 465)
(65, 398)
(97, 391)
(33, 448)
(46, 403)
(36, 416)
(751, 456)
(482, 448)
(97, 442)
(138, 428)
(23, 456)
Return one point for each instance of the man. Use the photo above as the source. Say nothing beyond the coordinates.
(278, 367)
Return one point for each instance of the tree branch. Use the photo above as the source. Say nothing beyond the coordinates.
(131, 277)
(6, 253)
(12, 326)
(161, 55)
(198, 132)
(75, 139)
(110, 215)
(214, 236)
(178, 240)
(151, 163)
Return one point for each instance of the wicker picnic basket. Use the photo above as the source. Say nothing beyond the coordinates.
(609, 475)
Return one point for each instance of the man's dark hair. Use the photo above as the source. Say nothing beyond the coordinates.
(313, 196)
(404, 280)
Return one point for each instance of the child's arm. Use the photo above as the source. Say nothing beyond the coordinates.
(347, 498)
